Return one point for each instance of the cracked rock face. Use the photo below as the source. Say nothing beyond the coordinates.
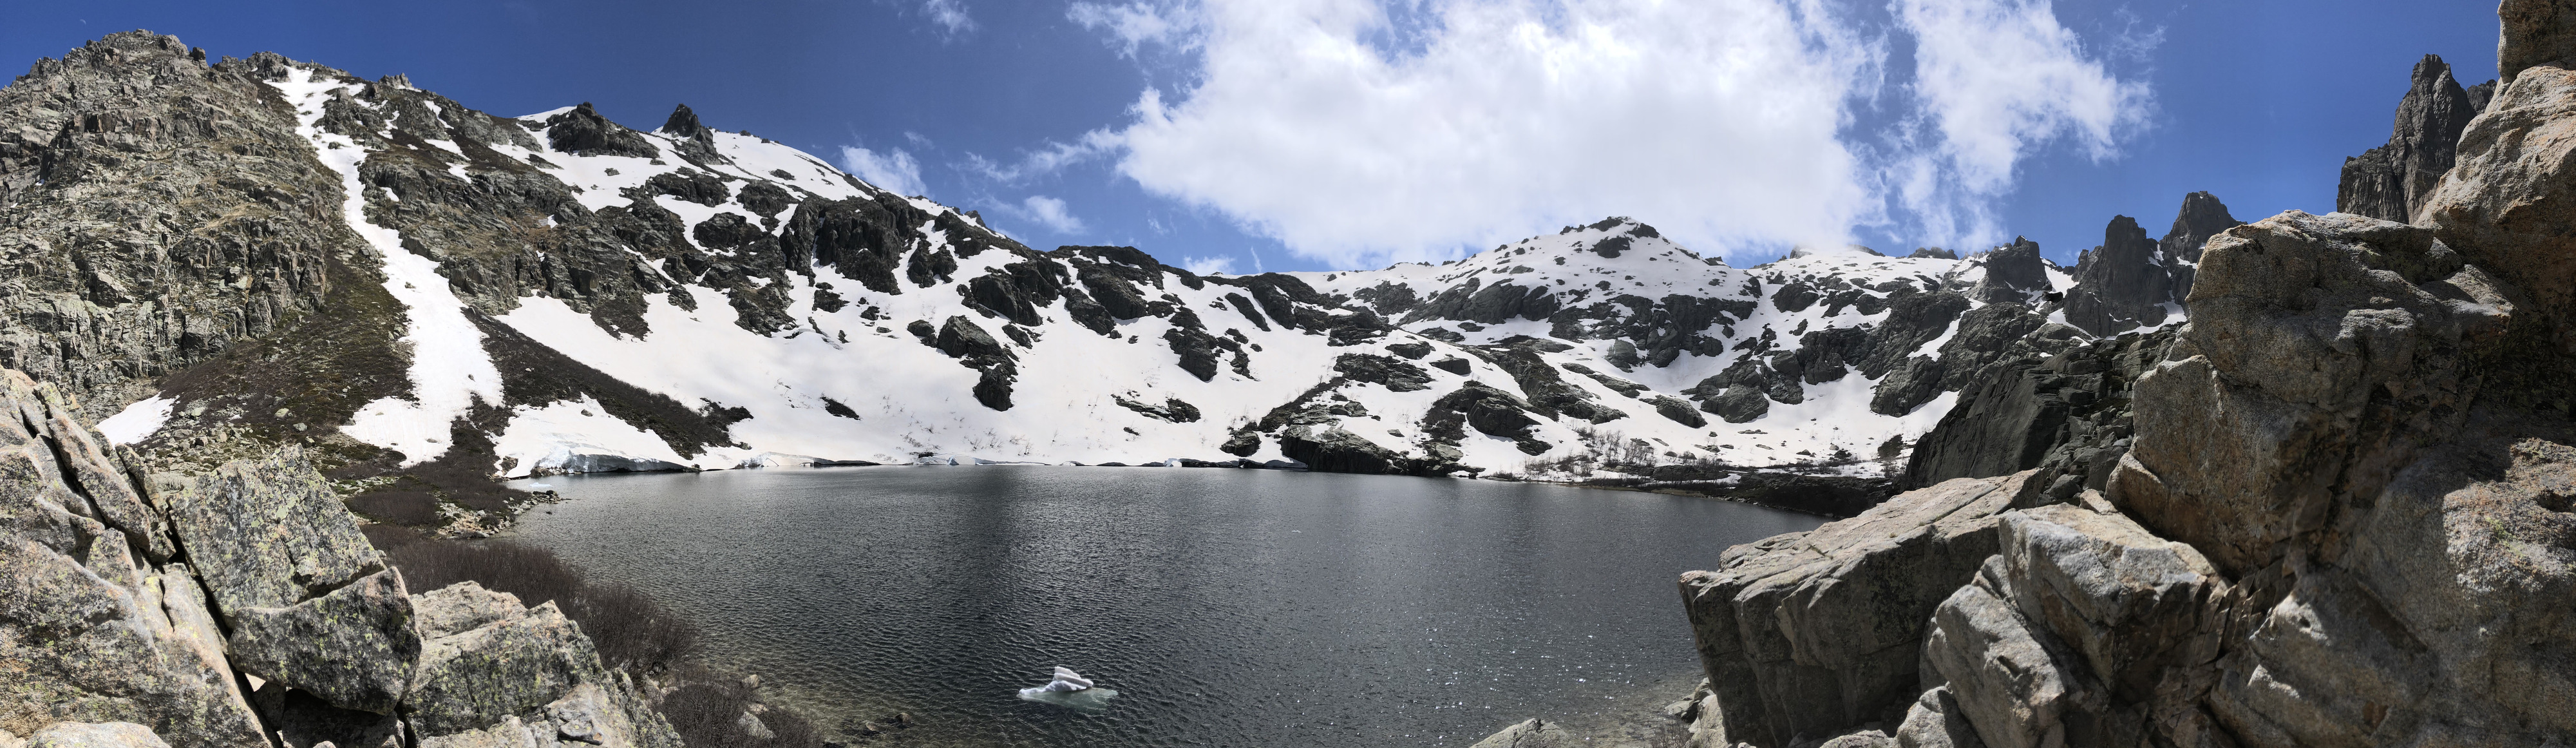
(310, 603)
(92, 630)
(2341, 519)
(496, 673)
(1807, 633)
(2393, 182)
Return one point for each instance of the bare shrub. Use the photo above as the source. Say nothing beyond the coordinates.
(632, 631)
(706, 708)
(398, 507)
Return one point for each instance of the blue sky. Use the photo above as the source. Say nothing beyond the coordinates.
(1315, 134)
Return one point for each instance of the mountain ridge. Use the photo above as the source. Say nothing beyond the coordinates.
(559, 292)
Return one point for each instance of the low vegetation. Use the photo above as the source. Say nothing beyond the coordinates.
(634, 633)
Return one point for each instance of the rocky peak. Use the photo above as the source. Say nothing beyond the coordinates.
(2202, 216)
(582, 132)
(2393, 181)
(2120, 284)
(2014, 273)
(696, 140)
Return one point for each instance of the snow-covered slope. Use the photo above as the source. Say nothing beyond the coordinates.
(577, 295)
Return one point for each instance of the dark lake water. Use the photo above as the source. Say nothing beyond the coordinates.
(1228, 607)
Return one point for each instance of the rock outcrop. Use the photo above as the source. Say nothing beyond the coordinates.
(2066, 412)
(136, 610)
(1808, 633)
(2129, 282)
(2393, 181)
(2341, 519)
(93, 630)
(497, 673)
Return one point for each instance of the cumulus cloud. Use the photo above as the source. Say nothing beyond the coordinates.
(1998, 79)
(1048, 212)
(1362, 131)
(1209, 265)
(893, 170)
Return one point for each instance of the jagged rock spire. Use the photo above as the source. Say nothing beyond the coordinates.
(2393, 181)
(697, 140)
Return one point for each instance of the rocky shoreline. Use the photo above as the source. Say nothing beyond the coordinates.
(2330, 510)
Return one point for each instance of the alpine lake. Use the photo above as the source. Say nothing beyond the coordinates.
(1223, 607)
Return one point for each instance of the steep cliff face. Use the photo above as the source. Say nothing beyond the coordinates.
(2129, 282)
(2341, 519)
(138, 611)
(2392, 182)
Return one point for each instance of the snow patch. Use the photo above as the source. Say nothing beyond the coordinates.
(449, 369)
(137, 422)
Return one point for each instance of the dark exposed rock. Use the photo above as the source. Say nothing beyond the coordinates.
(1172, 409)
(2066, 414)
(1487, 304)
(697, 142)
(1739, 404)
(581, 131)
(2392, 182)
(1679, 410)
(689, 185)
(968, 342)
(1244, 306)
(2119, 285)
(1914, 319)
(2015, 274)
(1388, 298)
(1828, 495)
(1114, 293)
(1089, 314)
(1933, 253)
(1490, 411)
(2202, 216)
(1339, 451)
(1199, 351)
(765, 199)
(1548, 392)
(130, 171)
(1395, 375)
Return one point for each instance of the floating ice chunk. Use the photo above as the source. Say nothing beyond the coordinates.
(1069, 689)
(1067, 680)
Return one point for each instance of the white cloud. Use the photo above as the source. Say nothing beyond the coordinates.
(949, 14)
(1362, 131)
(1136, 23)
(1048, 212)
(1046, 160)
(1209, 265)
(1998, 79)
(892, 170)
